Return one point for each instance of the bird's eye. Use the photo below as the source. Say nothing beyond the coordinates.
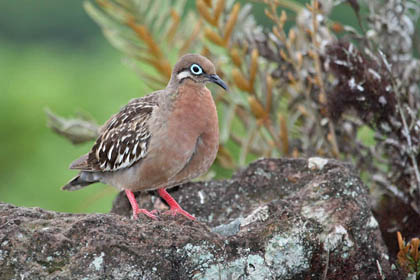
(196, 69)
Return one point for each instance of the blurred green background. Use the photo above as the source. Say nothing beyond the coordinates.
(53, 55)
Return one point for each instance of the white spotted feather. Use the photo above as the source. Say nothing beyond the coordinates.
(124, 138)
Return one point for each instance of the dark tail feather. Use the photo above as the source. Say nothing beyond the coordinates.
(78, 182)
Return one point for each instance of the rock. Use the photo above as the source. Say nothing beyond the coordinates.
(317, 163)
(276, 219)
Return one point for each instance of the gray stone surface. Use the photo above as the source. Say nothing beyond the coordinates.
(276, 219)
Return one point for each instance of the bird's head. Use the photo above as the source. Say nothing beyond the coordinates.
(196, 68)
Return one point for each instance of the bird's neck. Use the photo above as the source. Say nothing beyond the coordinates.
(194, 100)
(188, 91)
(191, 92)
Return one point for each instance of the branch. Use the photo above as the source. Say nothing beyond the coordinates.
(77, 131)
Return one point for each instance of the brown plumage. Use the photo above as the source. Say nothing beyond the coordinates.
(158, 141)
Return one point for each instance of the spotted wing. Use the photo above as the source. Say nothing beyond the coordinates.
(124, 139)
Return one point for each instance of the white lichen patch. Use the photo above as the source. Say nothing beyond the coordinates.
(262, 173)
(334, 236)
(201, 196)
(199, 255)
(317, 163)
(128, 271)
(287, 255)
(250, 267)
(257, 268)
(352, 189)
(318, 214)
(259, 214)
(338, 237)
(372, 223)
(3, 254)
(98, 261)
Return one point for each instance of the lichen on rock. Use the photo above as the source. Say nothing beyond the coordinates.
(276, 219)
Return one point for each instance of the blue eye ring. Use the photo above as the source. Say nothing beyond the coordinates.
(196, 69)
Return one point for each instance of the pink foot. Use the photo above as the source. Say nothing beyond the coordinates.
(175, 208)
(135, 207)
(175, 211)
(149, 214)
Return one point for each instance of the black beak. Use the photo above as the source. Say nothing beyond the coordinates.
(216, 79)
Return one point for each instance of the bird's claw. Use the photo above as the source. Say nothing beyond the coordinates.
(150, 214)
(175, 211)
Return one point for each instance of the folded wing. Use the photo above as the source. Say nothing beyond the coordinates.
(123, 141)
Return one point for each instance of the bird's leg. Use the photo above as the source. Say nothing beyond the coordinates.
(135, 207)
(174, 206)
